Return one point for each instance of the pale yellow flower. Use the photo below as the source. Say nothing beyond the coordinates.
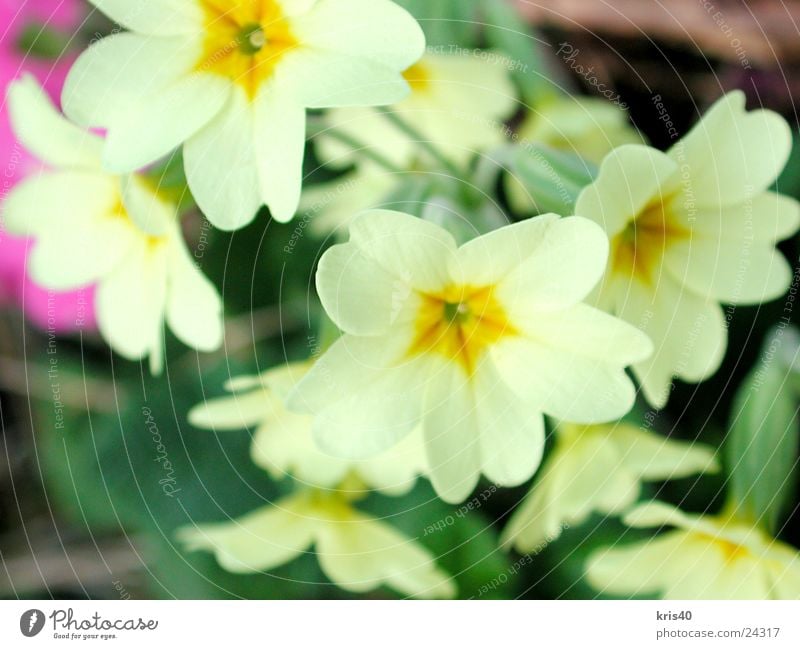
(689, 229)
(457, 102)
(231, 80)
(472, 343)
(598, 469)
(119, 232)
(705, 557)
(583, 126)
(283, 444)
(356, 552)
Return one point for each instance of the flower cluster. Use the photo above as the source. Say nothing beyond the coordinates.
(456, 331)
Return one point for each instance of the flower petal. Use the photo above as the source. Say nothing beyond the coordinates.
(121, 72)
(409, 248)
(732, 155)
(452, 434)
(280, 127)
(44, 132)
(149, 130)
(194, 308)
(511, 433)
(361, 553)
(364, 399)
(221, 168)
(130, 301)
(378, 30)
(261, 540)
(630, 177)
(235, 412)
(655, 457)
(736, 272)
(358, 295)
(159, 17)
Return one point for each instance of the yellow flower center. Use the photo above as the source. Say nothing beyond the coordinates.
(637, 251)
(730, 551)
(245, 40)
(460, 323)
(418, 77)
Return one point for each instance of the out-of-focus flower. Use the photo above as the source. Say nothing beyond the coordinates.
(356, 551)
(689, 229)
(118, 232)
(584, 126)
(283, 444)
(457, 102)
(472, 343)
(49, 310)
(598, 469)
(706, 557)
(232, 82)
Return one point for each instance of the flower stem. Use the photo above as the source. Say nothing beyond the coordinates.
(358, 147)
(423, 142)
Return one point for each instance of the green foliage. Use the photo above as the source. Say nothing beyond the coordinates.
(553, 178)
(446, 22)
(507, 32)
(762, 443)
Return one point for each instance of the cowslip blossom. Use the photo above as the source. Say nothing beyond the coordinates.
(456, 102)
(282, 440)
(472, 343)
(583, 126)
(231, 80)
(121, 233)
(692, 228)
(355, 550)
(598, 469)
(704, 557)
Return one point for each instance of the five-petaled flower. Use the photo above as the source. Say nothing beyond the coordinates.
(231, 80)
(120, 232)
(704, 557)
(474, 343)
(689, 229)
(598, 469)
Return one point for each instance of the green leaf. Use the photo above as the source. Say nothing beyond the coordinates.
(446, 22)
(528, 60)
(553, 178)
(762, 443)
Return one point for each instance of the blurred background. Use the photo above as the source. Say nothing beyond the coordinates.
(98, 465)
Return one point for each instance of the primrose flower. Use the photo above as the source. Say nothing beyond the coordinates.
(689, 229)
(283, 444)
(457, 102)
(598, 469)
(705, 557)
(231, 80)
(472, 344)
(584, 126)
(120, 233)
(356, 552)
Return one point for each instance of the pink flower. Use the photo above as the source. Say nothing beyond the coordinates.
(46, 309)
